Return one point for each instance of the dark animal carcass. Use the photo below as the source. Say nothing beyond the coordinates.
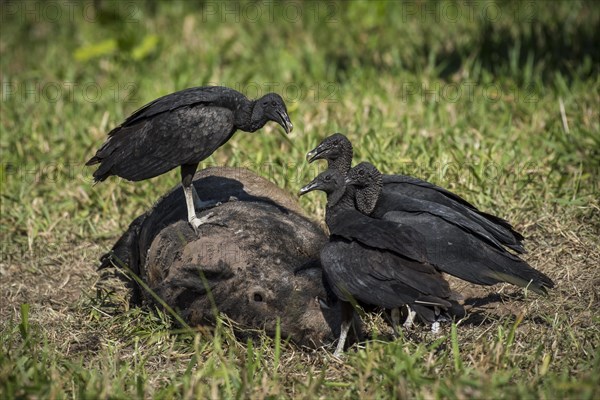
(257, 257)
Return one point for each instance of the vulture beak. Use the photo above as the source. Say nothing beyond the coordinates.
(309, 188)
(323, 304)
(315, 154)
(284, 121)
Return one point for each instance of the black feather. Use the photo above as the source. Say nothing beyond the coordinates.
(338, 152)
(182, 128)
(451, 242)
(376, 262)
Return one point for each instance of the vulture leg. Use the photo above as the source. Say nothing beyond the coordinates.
(395, 315)
(408, 323)
(187, 173)
(193, 219)
(410, 319)
(347, 314)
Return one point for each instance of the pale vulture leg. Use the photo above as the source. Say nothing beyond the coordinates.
(347, 312)
(410, 319)
(395, 314)
(343, 335)
(193, 219)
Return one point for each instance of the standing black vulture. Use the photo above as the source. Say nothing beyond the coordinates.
(450, 242)
(337, 150)
(182, 129)
(374, 262)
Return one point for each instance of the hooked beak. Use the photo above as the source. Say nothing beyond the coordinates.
(309, 188)
(315, 154)
(284, 121)
(323, 304)
(348, 181)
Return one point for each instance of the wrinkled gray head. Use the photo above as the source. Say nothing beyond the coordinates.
(368, 182)
(331, 182)
(363, 175)
(270, 107)
(336, 149)
(339, 196)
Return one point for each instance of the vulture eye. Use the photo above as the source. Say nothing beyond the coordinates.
(327, 178)
(273, 104)
(258, 297)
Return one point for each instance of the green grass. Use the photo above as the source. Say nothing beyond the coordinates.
(472, 103)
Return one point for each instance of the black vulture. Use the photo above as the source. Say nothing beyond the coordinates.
(180, 130)
(450, 242)
(373, 262)
(337, 150)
